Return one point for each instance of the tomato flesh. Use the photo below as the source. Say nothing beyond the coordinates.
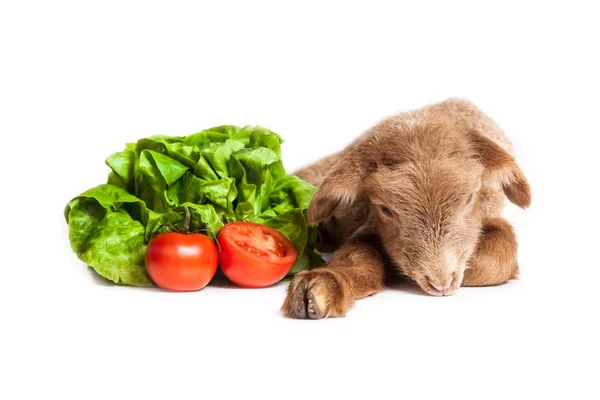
(181, 262)
(254, 255)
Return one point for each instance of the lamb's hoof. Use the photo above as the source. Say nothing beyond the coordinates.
(312, 308)
(315, 294)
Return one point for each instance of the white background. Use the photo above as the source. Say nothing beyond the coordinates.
(78, 80)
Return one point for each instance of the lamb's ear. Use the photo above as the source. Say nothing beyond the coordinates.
(340, 186)
(501, 166)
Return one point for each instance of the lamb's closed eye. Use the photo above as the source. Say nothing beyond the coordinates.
(385, 210)
(470, 197)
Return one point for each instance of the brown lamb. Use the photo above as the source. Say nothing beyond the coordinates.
(420, 194)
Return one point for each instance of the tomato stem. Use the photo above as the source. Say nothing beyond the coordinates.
(188, 220)
(168, 227)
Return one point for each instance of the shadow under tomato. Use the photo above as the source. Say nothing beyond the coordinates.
(221, 281)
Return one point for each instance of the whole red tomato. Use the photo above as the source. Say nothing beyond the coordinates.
(181, 262)
(254, 255)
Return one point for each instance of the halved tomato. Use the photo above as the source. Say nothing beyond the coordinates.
(254, 255)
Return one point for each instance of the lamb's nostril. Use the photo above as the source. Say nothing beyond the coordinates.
(442, 288)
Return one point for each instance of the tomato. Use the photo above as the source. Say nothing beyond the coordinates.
(254, 255)
(181, 262)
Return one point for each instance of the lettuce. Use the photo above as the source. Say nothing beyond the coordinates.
(223, 174)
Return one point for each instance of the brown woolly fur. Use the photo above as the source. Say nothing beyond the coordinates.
(419, 194)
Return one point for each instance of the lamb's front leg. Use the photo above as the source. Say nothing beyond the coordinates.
(356, 270)
(495, 259)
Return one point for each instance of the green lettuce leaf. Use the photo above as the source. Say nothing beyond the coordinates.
(222, 174)
(106, 237)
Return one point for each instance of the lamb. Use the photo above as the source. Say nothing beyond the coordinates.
(419, 195)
